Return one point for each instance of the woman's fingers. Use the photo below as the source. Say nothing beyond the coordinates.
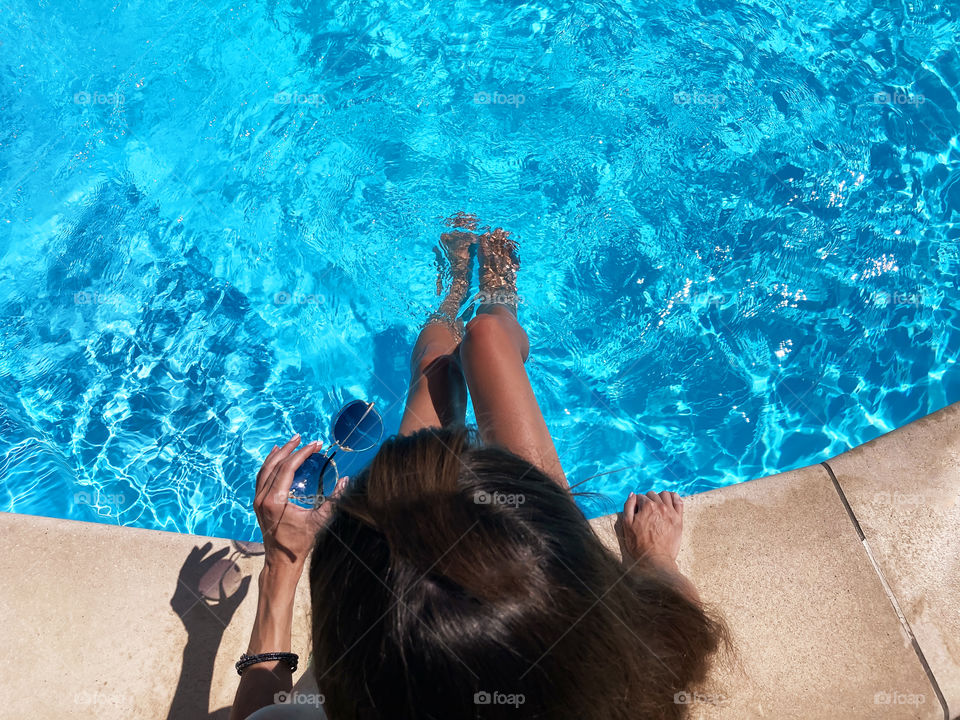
(321, 514)
(283, 477)
(278, 454)
(282, 452)
(341, 486)
(651, 495)
(630, 508)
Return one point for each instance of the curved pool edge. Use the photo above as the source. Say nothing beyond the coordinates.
(837, 581)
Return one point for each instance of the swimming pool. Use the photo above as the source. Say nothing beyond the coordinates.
(737, 226)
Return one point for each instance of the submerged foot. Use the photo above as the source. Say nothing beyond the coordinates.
(457, 243)
(461, 219)
(499, 263)
(456, 246)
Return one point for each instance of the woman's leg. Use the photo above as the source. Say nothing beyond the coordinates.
(438, 392)
(493, 352)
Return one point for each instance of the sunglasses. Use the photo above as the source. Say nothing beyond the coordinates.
(356, 428)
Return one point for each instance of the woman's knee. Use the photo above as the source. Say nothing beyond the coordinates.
(427, 359)
(490, 332)
(434, 342)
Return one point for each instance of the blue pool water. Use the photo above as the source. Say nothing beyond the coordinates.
(738, 228)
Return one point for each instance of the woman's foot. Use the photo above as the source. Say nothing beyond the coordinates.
(456, 246)
(499, 263)
(652, 527)
(460, 219)
(457, 243)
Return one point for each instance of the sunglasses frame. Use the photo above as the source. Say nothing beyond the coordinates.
(329, 453)
(370, 409)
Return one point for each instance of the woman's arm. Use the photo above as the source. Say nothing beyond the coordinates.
(272, 632)
(288, 536)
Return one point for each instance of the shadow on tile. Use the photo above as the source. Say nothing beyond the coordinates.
(209, 590)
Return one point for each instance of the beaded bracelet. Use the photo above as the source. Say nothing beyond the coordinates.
(245, 661)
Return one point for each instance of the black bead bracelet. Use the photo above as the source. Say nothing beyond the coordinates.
(245, 661)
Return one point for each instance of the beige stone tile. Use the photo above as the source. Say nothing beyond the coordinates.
(904, 489)
(815, 633)
(89, 606)
(87, 613)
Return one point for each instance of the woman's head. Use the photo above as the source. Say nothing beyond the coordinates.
(455, 580)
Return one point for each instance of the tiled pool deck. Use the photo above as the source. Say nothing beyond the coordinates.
(840, 581)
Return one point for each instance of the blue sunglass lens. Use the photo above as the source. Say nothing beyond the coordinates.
(358, 426)
(317, 476)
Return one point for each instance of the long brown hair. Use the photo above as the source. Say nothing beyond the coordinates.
(456, 580)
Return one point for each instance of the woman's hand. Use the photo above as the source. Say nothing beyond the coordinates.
(652, 525)
(289, 530)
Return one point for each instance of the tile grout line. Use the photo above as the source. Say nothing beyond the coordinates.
(889, 592)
